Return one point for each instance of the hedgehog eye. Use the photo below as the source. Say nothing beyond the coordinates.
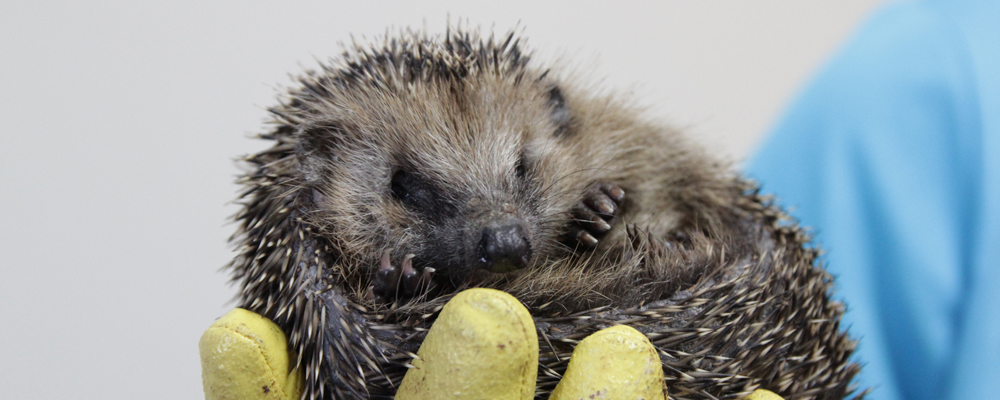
(398, 186)
(409, 190)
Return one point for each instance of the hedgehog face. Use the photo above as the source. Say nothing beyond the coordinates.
(461, 176)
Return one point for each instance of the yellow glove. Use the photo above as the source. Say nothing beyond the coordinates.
(483, 346)
(245, 356)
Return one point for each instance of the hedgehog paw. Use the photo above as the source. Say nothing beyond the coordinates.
(596, 214)
(392, 283)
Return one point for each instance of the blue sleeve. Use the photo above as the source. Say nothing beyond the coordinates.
(887, 154)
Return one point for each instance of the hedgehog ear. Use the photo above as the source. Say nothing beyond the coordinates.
(560, 110)
(315, 149)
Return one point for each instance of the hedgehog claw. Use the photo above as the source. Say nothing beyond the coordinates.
(386, 262)
(410, 278)
(427, 276)
(391, 283)
(595, 215)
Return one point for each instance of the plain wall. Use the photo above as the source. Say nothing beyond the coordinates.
(120, 122)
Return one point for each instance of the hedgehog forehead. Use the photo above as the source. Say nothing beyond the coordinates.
(475, 135)
(485, 123)
(468, 158)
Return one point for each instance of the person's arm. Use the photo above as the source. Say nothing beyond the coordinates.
(881, 156)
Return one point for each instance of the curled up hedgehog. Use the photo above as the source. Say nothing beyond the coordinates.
(412, 169)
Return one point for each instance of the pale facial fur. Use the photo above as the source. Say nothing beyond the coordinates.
(491, 149)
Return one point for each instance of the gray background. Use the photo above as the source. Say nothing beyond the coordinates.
(120, 122)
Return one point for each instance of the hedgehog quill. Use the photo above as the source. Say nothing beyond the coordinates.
(419, 166)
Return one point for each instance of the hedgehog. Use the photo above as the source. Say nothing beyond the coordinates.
(420, 165)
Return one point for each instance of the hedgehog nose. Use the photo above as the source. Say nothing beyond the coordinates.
(504, 248)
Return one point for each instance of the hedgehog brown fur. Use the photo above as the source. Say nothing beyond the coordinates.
(420, 144)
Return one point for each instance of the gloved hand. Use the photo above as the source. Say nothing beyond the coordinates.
(483, 345)
(245, 356)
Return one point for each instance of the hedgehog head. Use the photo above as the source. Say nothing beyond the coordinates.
(450, 150)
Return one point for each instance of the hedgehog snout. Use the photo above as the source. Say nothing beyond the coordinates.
(504, 246)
